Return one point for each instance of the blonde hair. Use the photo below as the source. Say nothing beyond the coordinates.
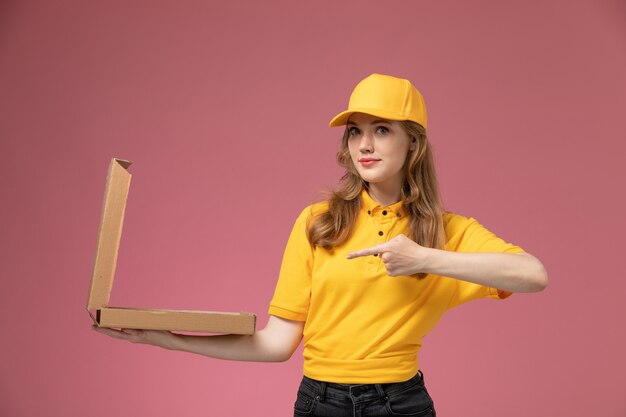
(420, 194)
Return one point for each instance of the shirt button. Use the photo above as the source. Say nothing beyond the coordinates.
(369, 212)
(384, 212)
(380, 233)
(399, 215)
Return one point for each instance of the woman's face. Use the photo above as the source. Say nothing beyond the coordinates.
(378, 149)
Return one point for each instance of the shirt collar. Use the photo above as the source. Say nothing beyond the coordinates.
(371, 207)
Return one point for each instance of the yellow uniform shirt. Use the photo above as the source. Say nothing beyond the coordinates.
(363, 326)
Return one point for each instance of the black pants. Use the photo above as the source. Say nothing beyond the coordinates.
(324, 399)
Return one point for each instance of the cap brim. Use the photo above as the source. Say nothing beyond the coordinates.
(342, 118)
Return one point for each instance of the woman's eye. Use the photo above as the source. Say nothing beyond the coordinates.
(353, 131)
(382, 130)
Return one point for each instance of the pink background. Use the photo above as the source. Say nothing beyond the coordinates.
(223, 107)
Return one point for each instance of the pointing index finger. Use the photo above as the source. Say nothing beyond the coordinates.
(374, 250)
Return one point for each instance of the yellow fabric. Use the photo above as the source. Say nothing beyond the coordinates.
(363, 326)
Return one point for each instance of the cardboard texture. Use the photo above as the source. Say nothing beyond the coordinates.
(109, 235)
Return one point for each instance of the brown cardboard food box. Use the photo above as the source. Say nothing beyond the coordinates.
(109, 234)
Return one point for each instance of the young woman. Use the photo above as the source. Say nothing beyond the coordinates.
(368, 273)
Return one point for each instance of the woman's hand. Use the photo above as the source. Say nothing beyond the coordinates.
(401, 256)
(160, 338)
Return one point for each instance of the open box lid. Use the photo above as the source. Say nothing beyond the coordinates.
(109, 233)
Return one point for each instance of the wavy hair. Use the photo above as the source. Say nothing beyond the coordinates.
(420, 194)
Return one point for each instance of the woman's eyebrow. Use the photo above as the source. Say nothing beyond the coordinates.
(373, 122)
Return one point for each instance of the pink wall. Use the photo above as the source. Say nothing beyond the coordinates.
(224, 109)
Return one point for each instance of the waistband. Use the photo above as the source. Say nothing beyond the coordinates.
(322, 388)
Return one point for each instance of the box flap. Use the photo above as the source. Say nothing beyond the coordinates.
(109, 233)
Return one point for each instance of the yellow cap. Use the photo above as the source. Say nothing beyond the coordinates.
(385, 96)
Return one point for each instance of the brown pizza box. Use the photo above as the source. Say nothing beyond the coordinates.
(109, 234)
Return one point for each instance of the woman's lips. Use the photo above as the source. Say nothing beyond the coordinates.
(368, 162)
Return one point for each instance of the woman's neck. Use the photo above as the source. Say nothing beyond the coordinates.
(385, 196)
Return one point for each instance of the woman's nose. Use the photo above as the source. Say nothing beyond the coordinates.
(366, 144)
